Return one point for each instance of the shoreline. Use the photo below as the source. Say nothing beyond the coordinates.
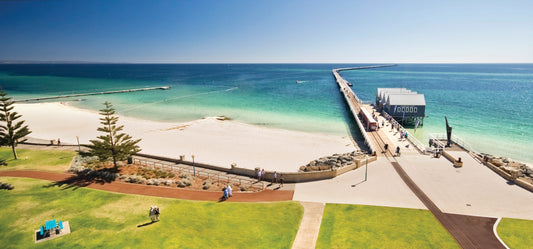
(213, 141)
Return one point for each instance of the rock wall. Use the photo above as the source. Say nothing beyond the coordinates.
(333, 162)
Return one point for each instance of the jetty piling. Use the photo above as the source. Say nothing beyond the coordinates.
(94, 93)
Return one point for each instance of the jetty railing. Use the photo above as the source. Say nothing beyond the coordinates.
(418, 145)
(352, 100)
(457, 140)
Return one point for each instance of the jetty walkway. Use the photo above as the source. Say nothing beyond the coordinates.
(94, 93)
(469, 232)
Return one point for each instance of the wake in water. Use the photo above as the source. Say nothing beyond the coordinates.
(180, 97)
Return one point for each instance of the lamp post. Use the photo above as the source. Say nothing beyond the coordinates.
(193, 168)
(366, 168)
(78, 139)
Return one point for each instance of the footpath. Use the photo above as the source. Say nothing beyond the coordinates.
(71, 181)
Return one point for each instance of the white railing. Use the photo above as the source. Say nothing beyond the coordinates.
(456, 140)
(418, 145)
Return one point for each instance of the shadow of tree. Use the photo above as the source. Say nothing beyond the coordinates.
(85, 179)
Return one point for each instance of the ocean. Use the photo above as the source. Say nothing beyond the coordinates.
(488, 105)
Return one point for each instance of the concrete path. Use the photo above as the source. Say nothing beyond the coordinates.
(383, 188)
(472, 189)
(310, 226)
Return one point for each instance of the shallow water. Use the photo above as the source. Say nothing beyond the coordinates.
(488, 105)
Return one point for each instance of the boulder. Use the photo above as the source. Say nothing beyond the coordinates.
(497, 162)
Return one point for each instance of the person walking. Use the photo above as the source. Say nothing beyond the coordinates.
(280, 180)
(151, 214)
(156, 213)
(230, 191)
(259, 175)
(225, 193)
(398, 151)
(275, 177)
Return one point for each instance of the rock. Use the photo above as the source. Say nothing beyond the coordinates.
(302, 168)
(324, 167)
(497, 162)
(312, 163)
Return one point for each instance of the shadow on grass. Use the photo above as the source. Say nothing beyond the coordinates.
(147, 224)
(83, 180)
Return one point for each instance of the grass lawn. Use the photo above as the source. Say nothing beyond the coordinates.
(46, 160)
(516, 233)
(110, 220)
(356, 226)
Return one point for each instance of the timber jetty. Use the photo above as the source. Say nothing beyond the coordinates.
(354, 103)
(95, 93)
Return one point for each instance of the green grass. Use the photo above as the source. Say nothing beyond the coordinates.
(46, 160)
(109, 220)
(516, 233)
(355, 226)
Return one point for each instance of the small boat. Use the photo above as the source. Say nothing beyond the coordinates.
(299, 82)
(350, 84)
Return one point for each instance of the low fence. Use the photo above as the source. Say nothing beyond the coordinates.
(214, 176)
(288, 177)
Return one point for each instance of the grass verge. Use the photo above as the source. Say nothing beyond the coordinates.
(516, 233)
(109, 220)
(356, 226)
(47, 160)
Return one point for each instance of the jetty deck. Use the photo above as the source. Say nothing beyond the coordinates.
(467, 233)
(373, 138)
(94, 93)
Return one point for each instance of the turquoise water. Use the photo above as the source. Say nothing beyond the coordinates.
(488, 105)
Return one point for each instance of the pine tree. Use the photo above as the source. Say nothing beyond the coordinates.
(11, 132)
(112, 145)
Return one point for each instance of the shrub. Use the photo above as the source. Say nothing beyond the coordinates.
(6, 186)
(207, 184)
(184, 183)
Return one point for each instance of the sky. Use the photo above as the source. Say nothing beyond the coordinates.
(273, 31)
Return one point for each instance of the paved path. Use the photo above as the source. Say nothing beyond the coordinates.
(469, 232)
(310, 226)
(72, 181)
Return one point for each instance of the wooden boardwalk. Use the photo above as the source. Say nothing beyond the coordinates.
(94, 93)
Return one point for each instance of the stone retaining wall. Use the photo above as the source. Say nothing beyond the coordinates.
(288, 177)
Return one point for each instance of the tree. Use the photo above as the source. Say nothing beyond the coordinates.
(11, 132)
(112, 145)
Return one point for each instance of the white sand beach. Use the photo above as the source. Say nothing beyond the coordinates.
(210, 140)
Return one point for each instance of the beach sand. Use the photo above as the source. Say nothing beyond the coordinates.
(211, 141)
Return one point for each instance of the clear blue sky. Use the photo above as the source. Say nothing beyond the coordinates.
(250, 31)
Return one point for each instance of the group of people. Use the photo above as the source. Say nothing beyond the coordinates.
(227, 192)
(275, 177)
(154, 213)
(403, 134)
